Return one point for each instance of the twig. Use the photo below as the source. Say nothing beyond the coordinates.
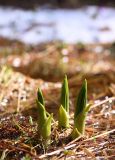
(57, 151)
(102, 102)
(103, 134)
(99, 103)
(73, 145)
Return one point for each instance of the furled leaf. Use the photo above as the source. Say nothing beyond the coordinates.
(81, 100)
(44, 123)
(41, 114)
(75, 133)
(40, 97)
(65, 94)
(63, 119)
(46, 127)
(80, 112)
(79, 122)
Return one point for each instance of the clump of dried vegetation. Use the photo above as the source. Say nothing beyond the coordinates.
(28, 130)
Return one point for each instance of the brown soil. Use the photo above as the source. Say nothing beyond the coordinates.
(19, 137)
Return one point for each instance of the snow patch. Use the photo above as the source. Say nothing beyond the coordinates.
(88, 25)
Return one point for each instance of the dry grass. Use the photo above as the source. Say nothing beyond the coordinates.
(18, 110)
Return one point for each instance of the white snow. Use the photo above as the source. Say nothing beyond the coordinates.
(88, 24)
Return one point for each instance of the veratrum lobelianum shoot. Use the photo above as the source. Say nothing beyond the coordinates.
(40, 97)
(81, 110)
(63, 116)
(44, 118)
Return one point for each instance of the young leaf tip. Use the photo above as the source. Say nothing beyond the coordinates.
(65, 77)
(81, 99)
(65, 94)
(85, 83)
(63, 119)
(81, 110)
(40, 96)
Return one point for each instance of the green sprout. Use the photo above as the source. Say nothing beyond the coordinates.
(40, 97)
(44, 118)
(63, 118)
(80, 112)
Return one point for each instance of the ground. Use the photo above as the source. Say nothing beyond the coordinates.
(44, 66)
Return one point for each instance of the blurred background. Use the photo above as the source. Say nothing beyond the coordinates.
(33, 22)
(40, 42)
(57, 37)
(56, 3)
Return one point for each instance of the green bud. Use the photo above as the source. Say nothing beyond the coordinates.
(81, 100)
(46, 128)
(65, 94)
(80, 112)
(40, 97)
(63, 116)
(44, 123)
(41, 115)
(63, 119)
